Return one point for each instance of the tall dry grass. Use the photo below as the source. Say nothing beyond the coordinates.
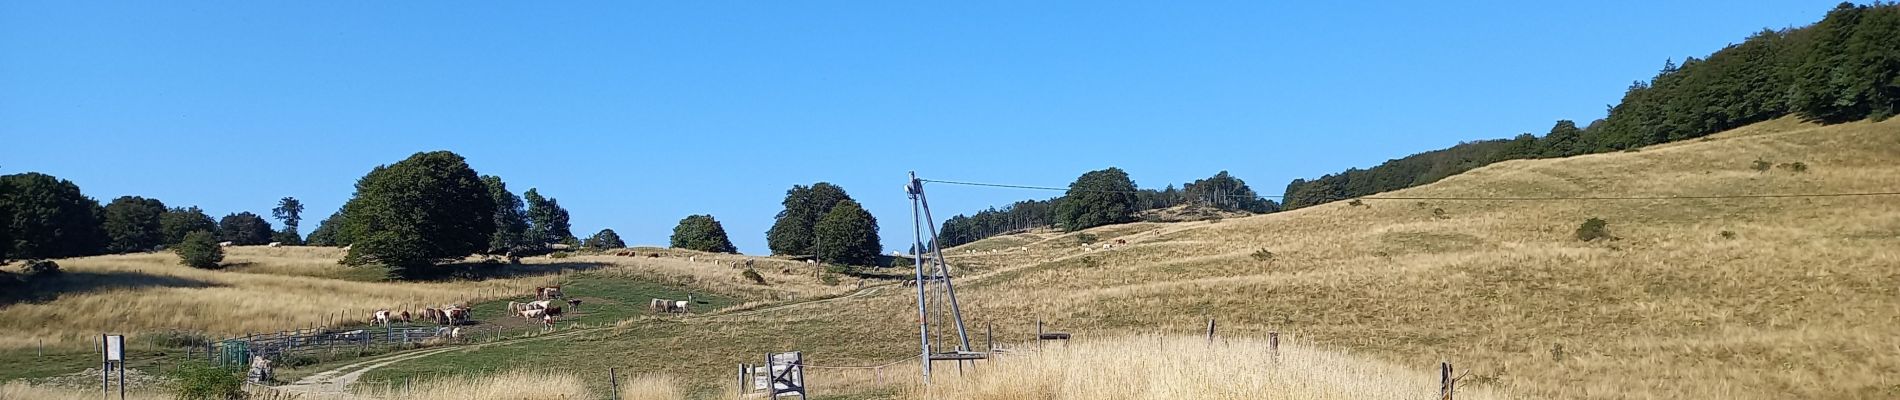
(1796, 300)
(509, 385)
(139, 293)
(652, 387)
(1182, 367)
(17, 390)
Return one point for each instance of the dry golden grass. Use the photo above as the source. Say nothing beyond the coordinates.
(271, 289)
(1182, 367)
(652, 387)
(1799, 300)
(23, 391)
(509, 385)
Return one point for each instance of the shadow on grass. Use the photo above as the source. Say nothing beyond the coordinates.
(47, 287)
(477, 271)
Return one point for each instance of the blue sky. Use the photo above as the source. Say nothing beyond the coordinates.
(637, 114)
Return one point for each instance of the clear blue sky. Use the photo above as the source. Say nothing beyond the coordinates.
(636, 115)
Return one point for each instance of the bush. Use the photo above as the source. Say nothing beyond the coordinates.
(1760, 165)
(1439, 213)
(828, 279)
(754, 276)
(198, 380)
(1086, 238)
(1356, 203)
(560, 254)
(1593, 229)
(1796, 166)
(1728, 234)
(199, 250)
(41, 267)
(1263, 255)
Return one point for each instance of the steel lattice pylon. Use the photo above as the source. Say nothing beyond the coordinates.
(933, 284)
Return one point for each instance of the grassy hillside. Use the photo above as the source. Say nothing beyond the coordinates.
(1719, 298)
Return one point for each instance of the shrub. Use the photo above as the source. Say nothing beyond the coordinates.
(198, 380)
(1796, 166)
(199, 250)
(1760, 165)
(1263, 255)
(1356, 203)
(1439, 213)
(753, 275)
(829, 279)
(1728, 234)
(560, 254)
(1593, 229)
(1086, 238)
(41, 267)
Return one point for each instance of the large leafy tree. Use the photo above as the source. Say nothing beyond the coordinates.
(791, 233)
(290, 212)
(1097, 198)
(847, 235)
(419, 211)
(49, 218)
(329, 232)
(549, 220)
(511, 220)
(244, 229)
(605, 239)
(179, 221)
(134, 223)
(703, 233)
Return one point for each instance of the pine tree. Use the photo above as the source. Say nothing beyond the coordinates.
(290, 212)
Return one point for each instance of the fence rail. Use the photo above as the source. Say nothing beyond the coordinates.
(312, 341)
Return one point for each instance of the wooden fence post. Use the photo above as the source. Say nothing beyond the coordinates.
(1273, 345)
(613, 381)
(1445, 381)
(1210, 330)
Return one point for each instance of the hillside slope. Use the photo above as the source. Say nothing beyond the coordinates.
(1711, 298)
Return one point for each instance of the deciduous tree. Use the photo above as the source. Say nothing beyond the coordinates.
(703, 233)
(134, 224)
(424, 209)
(848, 235)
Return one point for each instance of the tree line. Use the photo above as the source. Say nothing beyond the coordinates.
(1844, 68)
(43, 216)
(1099, 198)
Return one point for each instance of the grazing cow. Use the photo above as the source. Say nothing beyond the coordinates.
(403, 316)
(547, 323)
(537, 305)
(576, 303)
(554, 311)
(547, 292)
(455, 315)
(532, 314)
(658, 304)
(515, 307)
(380, 317)
(224, 244)
(653, 255)
(910, 282)
(433, 315)
(680, 307)
(1120, 241)
(275, 244)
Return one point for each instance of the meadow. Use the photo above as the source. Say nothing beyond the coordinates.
(1733, 298)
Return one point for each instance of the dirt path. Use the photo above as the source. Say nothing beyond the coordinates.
(335, 383)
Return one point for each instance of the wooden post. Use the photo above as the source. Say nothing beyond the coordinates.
(1210, 330)
(613, 381)
(1273, 345)
(742, 370)
(989, 337)
(1445, 381)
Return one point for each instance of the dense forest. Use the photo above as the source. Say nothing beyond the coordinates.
(1844, 68)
